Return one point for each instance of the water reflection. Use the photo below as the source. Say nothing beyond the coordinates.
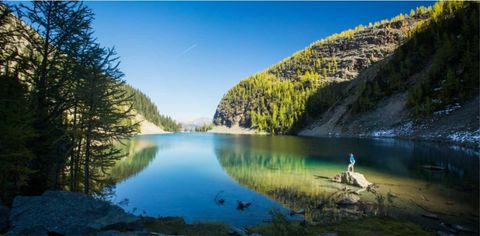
(182, 175)
(140, 153)
(178, 175)
(284, 168)
(393, 157)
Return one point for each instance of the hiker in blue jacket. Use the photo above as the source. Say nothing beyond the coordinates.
(352, 163)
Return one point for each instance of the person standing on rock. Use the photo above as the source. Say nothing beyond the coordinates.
(352, 163)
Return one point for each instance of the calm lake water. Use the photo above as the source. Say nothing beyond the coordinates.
(182, 175)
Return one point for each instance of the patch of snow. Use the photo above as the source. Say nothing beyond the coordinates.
(465, 136)
(406, 128)
(383, 133)
(449, 109)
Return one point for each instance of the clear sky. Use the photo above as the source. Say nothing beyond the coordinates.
(186, 55)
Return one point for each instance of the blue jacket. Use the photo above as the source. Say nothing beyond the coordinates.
(352, 159)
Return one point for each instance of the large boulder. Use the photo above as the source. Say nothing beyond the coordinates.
(64, 213)
(352, 178)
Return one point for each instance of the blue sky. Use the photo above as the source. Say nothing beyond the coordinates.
(186, 55)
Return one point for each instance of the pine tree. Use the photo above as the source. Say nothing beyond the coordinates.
(48, 71)
(107, 107)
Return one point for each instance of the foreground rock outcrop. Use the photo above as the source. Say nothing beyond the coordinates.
(352, 178)
(63, 213)
(67, 213)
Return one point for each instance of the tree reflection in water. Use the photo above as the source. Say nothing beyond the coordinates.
(286, 170)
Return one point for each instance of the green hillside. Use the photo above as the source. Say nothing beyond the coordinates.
(145, 107)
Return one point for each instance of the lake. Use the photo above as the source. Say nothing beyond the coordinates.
(185, 174)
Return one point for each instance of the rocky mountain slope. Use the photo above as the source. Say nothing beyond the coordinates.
(147, 127)
(412, 76)
(431, 93)
(340, 57)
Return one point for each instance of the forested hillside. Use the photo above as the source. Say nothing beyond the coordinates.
(359, 69)
(275, 100)
(144, 106)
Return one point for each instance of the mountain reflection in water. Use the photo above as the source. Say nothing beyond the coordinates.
(181, 174)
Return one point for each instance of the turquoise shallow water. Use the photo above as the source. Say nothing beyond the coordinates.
(182, 174)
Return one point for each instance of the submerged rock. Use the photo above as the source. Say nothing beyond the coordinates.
(64, 213)
(241, 205)
(348, 199)
(352, 178)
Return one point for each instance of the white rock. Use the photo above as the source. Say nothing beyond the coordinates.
(352, 178)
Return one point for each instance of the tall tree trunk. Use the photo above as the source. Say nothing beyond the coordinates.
(74, 148)
(87, 162)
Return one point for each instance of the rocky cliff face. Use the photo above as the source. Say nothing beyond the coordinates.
(339, 57)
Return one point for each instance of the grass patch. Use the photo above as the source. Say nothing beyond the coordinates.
(177, 226)
(365, 226)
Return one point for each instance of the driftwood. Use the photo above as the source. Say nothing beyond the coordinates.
(428, 210)
(431, 216)
(299, 212)
(430, 167)
(322, 177)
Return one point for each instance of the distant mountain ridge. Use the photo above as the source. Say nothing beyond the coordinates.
(199, 121)
(193, 123)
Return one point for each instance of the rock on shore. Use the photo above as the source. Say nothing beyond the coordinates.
(352, 178)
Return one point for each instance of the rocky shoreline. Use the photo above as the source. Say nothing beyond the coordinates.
(220, 129)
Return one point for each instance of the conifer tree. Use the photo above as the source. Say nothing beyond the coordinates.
(54, 28)
(107, 108)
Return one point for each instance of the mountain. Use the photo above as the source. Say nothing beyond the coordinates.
(390, 78)
(197, 121)
(274, 100)
(192, 123)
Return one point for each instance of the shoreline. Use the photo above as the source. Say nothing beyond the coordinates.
(474, 146)
(221, 129)
(146, 127)
(467, 145)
